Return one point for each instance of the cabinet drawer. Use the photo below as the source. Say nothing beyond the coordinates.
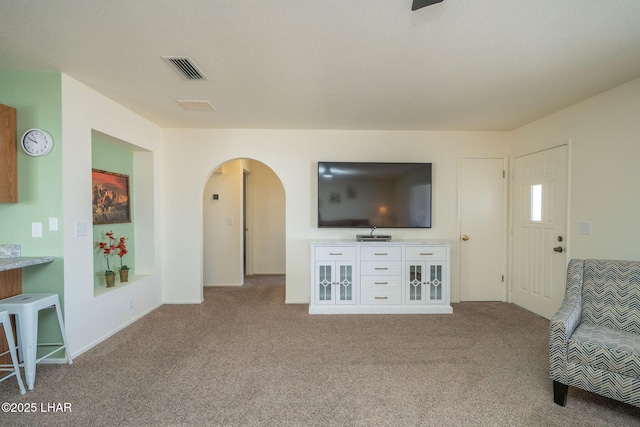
(375, 283)
(371, 268)
(325, 253)
(384, 253)
(426, 252)
(372, 297)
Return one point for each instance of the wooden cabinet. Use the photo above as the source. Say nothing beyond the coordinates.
(8, 155)
(392, 277)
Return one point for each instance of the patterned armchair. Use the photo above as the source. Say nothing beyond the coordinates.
(594, 338)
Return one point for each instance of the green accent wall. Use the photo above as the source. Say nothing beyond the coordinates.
(112, 155)
(37, 98)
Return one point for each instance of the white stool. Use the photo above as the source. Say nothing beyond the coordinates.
(26, 308)
(15, 369)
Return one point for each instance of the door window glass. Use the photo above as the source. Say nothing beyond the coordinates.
(536, 203)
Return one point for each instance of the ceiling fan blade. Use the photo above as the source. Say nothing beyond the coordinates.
(417, 4)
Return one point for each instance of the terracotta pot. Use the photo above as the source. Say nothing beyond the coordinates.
(110, 277)
(124, 275)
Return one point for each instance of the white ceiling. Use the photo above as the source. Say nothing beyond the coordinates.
(333, 64)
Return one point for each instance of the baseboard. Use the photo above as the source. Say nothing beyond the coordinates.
(255, 273)
(52, 361)
(110, 334)
(215, 285)
(184, 302)
(290, 301)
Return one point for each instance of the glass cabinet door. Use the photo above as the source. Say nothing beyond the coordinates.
(324, 283)
(345, 284)
(335, 283)
(435, 282)
(415, 282)
(424, 283)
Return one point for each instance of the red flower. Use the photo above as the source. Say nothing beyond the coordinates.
(108, 246)
(122, 251)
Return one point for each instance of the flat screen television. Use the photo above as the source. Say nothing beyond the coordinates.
(381, 195)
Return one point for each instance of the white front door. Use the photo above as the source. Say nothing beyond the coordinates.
(482, 229)
(539, 230)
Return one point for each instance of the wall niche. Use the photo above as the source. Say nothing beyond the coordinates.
(124, 161)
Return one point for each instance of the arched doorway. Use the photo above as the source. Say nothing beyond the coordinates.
(243, 223)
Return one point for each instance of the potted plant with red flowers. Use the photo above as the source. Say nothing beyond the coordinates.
(122, 251)
(106, 248)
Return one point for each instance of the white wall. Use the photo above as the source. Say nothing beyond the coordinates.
(293, 155)
(89, 318)
(604, 135)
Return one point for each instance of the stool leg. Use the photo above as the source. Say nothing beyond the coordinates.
(64, 334)
(29, 344)
(20, 348)
(12, 350)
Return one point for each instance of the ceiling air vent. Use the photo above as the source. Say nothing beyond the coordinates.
(185, 67)
(196, 104)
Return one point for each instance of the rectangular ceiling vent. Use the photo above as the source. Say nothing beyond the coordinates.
(196, 104)
(185, 67)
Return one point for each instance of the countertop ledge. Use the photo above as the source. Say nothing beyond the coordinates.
(21, 262)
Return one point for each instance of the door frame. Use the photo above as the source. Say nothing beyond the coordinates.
(247, 224)
(528, 151)
(505, 212)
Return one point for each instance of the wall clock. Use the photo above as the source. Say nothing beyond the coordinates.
(36, 142)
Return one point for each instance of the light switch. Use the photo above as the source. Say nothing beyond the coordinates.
(230, 221)
(81, 228)
(36, 229)
(53, 224)
(585, 228)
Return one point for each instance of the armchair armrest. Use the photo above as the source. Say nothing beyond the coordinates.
(565, 321)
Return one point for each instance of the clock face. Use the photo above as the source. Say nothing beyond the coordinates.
(36, 142)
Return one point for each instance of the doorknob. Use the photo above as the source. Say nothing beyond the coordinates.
(465, 237)
(558, 249)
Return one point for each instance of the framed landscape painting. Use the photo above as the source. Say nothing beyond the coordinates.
(110, 197)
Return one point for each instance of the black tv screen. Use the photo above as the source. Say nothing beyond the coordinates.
(381, 195)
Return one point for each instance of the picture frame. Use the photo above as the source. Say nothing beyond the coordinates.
(110, 197)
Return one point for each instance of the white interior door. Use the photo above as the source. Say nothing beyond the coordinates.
(482, 229)
(539, 230)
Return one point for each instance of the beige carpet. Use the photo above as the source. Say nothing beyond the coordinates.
(244, 358)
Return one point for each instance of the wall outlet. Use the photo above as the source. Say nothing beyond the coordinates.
(130, 303)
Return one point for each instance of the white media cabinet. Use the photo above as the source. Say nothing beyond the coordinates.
(380, 277)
